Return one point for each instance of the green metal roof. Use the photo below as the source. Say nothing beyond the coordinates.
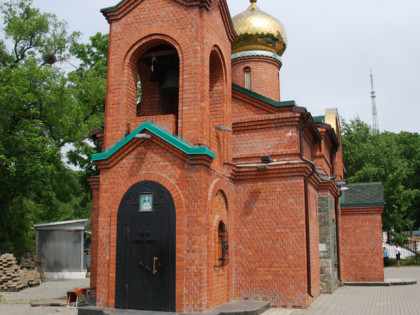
(162, 133)
(319, 119)
(112, 7)
(262, 98)
(363, 195)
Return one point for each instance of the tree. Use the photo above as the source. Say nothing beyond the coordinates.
(392, 159)
(88, 85)
(43, 108)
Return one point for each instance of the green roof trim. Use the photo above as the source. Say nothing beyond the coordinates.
(319, 119)
(162, 133)
(263, 98)
(112, 7)
(377, 204)
(363, 195)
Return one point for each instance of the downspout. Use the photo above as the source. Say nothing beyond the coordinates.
(337, 237)
(333, 155)
(307, 221)
(337, 199)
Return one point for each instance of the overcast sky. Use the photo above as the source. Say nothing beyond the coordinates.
(332, 45)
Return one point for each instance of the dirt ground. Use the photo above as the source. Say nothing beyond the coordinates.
(19, 303)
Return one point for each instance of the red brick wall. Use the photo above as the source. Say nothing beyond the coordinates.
(361, 244)
(321, 153)
(269, 241)
(264, 75)
(241, 109)
(150, 99)
(251, 134)
(314, 239)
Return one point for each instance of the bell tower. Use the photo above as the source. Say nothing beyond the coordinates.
(162, 58)
(167, 136)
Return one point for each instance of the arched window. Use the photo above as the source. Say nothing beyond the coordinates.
(223, 245)
(247, 74)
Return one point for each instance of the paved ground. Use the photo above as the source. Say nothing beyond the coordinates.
(18, 303)
(393, 300)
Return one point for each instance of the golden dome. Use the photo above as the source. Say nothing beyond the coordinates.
(258, 31)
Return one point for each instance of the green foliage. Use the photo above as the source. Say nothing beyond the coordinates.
(392, 159)
(400, 238)
(44, 109)
(88, 86)
(34, 33)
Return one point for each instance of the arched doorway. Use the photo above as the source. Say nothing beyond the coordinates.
(145, 270)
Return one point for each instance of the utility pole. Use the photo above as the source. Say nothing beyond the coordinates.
(375, 125)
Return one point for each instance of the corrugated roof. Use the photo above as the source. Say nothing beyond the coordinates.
(66, 225)
(363, 194)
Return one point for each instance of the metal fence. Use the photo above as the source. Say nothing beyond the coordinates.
(413, 247)
(409, 250)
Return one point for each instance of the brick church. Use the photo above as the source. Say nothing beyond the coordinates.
(212, 188)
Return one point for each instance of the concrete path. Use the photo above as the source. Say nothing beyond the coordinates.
(370, 300)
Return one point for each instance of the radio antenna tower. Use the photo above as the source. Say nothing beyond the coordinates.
(375, 126)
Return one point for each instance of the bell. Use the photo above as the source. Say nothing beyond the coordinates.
(170, 84)
(154, 76)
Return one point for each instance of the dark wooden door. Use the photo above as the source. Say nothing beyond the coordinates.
(145, 274)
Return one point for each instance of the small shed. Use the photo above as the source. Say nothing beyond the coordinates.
(61, 246)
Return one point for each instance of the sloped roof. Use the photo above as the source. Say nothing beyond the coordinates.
(363, 195)
(162, 133)
(263, 98)
(64, 225)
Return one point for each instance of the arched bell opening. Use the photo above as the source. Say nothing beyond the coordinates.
(158, 81)
(217, 104)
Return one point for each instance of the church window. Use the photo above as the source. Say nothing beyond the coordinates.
(247, 73)
(223, 245)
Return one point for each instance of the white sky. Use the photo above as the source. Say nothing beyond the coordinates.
(332, 45)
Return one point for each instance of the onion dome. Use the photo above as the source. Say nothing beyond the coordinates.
(258, 30)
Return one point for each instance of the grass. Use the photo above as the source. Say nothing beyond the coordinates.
(409, 261)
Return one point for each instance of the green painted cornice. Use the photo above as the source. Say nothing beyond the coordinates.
(262, 98)
(358, 205)
(162, 133)
(112, 7)
(319, 119)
